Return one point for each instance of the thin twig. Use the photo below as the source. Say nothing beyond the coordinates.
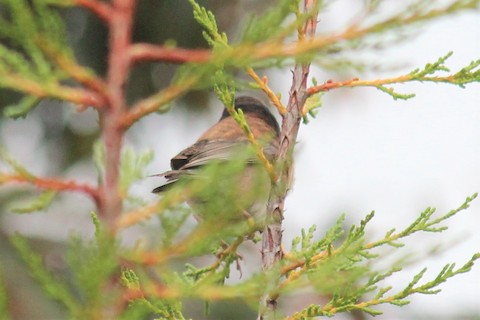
(263, 84)
(355, 82)
(120, 26)
(254, 142)
(153, 103)
(51, 184)
(146, 212)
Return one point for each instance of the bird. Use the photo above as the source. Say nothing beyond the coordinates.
(224, 143)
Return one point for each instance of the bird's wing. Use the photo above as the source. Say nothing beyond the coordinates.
(199, 154)
(204, 152)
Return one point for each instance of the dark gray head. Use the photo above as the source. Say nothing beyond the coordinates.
(254, 106)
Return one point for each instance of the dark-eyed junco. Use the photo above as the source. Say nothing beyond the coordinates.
(222, 143)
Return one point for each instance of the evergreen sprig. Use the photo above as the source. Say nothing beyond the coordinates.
(52, 287)
(40, 203)
(92, 264)
(36, 57)
(207, 19)
(29, 28)
(132, 169)
(466, 75)
(168, 309)
(341, 265)
(355, 253)
(268, 27)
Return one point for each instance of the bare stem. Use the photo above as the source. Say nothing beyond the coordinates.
(120, 25)
(272, 234)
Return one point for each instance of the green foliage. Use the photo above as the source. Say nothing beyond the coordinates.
(313, 103)
(92, 265)
(466, 75)
(4, 313)
(35, 57)
(269, 26)
(161, 308)
(21, 109)
(395, 95)
(133, 167)
(99, 158)
(207, 19)
(107, 277)
(34, 30)
(417, 12)
(347, 272)
(40, 203)
(431, 68)
(171, 223)
(53, 288)
(342, 265)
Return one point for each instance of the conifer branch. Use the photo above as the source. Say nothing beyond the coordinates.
(51, 184)
(147, 52)
(263, 85)
(78, 96)
(39, 69)
(55, 289)
(157, 102)
(466, 75)
(248, 54)
(81, 74)
(140, 214)
(24, 176)
(398, 299)
(276, 48)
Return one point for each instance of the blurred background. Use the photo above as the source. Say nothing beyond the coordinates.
(363, 152)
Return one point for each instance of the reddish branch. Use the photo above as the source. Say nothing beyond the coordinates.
(53, 184)
(355, 82)
(330, 84)
(120, 26)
